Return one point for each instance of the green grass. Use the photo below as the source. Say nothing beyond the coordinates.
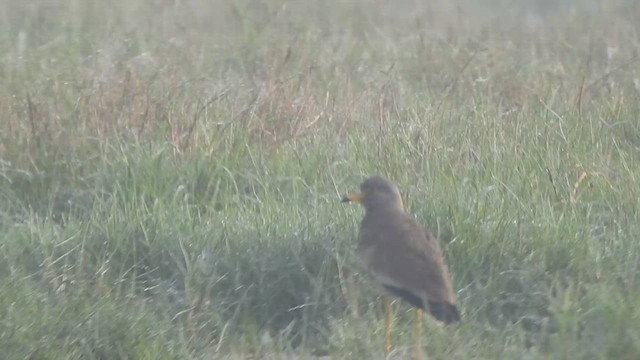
(170, 175)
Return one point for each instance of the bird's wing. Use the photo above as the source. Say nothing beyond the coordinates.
(408, 257)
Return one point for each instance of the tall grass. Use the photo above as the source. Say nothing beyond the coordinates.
(170, 175)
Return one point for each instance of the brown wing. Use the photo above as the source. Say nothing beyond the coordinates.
(407, 260)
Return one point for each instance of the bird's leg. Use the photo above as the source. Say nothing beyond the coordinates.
(388, 319)
(418, 323)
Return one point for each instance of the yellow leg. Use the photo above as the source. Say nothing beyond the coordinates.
(388, 319)
(418, 323)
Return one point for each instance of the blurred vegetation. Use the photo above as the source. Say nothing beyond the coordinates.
(170, 175)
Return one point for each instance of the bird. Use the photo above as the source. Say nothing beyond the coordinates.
(403, 256)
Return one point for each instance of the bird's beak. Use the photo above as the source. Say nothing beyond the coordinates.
(352, 197)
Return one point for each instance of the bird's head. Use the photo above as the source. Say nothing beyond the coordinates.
(377, 193)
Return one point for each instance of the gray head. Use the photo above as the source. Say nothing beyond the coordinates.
(377, 194)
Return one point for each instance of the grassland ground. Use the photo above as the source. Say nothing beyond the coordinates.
(170, 175)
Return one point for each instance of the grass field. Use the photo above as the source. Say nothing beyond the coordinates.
(170, 175)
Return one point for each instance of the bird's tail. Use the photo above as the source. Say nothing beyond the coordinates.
(445, 312)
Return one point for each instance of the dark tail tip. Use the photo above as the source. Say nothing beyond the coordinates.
(445, 312)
